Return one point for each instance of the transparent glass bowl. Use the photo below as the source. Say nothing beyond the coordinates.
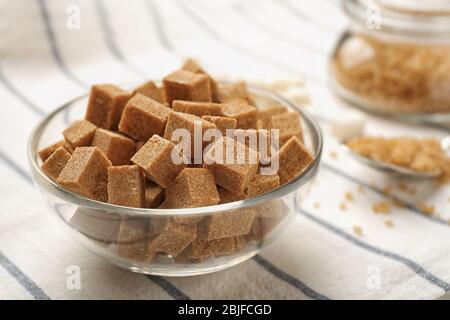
(122, 235)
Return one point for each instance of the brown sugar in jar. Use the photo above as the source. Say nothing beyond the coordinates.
(394, 61)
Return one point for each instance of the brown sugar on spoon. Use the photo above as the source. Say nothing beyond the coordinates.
(421, 155)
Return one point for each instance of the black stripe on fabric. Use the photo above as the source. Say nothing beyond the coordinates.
(280, 274)
(22, 279)
(53, 46)
(156, 18)
(173, 291)
(7, 84)
(380, 192)
(415, 267)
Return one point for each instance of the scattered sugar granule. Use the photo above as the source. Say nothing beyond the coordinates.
(358, 230)
(398, 203)
(382, 207)
(412, 191)
(334, 155)
(349, 197)
(389, 223)
(402, 186)
(343, 206)
(361, 189)
(388, 190)
(426, 209)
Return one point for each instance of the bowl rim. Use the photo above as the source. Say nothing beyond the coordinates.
(80, 200)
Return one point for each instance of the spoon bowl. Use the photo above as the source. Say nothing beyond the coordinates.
(395, 169)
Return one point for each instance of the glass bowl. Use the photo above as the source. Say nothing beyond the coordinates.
(122, 235)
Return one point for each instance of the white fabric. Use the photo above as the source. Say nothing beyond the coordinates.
(43, 64)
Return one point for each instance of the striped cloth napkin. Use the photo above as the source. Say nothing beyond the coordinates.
(47, 58)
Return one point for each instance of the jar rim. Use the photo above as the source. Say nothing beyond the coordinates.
(379, 17)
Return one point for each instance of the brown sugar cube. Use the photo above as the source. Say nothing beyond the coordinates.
(47, 151)
(105, 106)
(126, 186)
(261, 184)
(153, 195)
(139, 145)
(288, 125)
(133, 239)
(68, 147)
(186, 85)
(232, 174)
(178, 120)
(193, 66)
(80, 133)
(118, 148)
(262, 227)
(192, 188)
(155, 157)
(222, 123)
(240, 243)
(293, 158)
(151, 90)
(227, 224)
(174, 239)
(181, 219)
(143, 117)
(197, 108)
(202, 249)
(54, 164)
(229, 92)
(271, 209)
(265, 115)
(268, 215)
(95, 224)
(228, 196)
(244, 114)
(86, 173)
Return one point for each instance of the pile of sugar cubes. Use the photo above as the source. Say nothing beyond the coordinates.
(122, 153)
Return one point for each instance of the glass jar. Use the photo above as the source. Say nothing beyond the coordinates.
(394, 58)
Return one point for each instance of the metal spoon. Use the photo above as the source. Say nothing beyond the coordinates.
(391, 168)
